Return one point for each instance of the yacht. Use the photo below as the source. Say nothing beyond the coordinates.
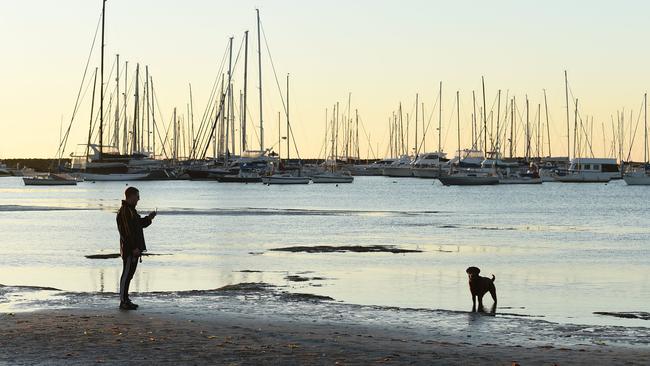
(374, 169)
(531, 176)
(430, 165)
(285, 179)
(469, 158)
(590, 170)
(399, 168)
(638, 177)
(332, 177)
(469, 177)
(550, 165)
(51, 180)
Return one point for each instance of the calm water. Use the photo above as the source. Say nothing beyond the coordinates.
(559, 251)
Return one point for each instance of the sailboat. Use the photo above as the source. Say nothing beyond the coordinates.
(51, 180)
(101, 162)
(331, 174)
(641, 177)
(467, 176)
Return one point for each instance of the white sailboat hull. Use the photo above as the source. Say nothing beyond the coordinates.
(468, 180)
(48, 182)
(113, 177)
(285, 180)
(426, 172)
(584, 178)
(332, 178)
(641, 179)
(520, 181)
(398, 171)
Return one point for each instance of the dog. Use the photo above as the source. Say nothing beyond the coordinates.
(479, 286)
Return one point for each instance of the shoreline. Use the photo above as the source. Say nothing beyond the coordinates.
(250, 324)
(82, 336)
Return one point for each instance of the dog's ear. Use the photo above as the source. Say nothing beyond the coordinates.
(473, 270)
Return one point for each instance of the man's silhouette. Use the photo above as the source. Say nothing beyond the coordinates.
(130, 226)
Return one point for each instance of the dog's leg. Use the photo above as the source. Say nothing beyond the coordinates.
(493, 310)
(473, 303)
(493, 293)
(480, 303)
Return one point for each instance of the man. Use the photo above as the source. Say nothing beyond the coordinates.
(130, 226)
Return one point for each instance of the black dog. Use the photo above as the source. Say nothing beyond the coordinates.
(478, 286)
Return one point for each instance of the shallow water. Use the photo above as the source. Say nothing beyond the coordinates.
(560, 252)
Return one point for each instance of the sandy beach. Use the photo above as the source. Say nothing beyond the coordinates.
(251, 328)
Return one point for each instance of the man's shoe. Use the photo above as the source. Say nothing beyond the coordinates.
(127, 306)
(128, 302)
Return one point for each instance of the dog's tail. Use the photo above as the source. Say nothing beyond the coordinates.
(493, 278)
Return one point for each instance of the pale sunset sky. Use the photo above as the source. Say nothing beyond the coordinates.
(383, 52)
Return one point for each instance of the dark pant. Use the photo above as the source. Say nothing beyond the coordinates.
(129, 264)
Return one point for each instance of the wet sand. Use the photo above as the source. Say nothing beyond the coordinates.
(173, 336)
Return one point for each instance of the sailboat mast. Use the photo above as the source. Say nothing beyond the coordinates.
(539, 122)
(175, 137)
(92, 112)
(568, 123)
(527, 131)
(153, 117)
(136, 119)
(416, 124)
(229, 91)
(548, 129)
(484, 119)
(458, 122)
(116, 133)
(244, 109)
(575, 130)
(645, 124)
(146, 93)
(259, 71)
(474, 121)
(231, 106)
(495, 145)
(125, 135)
(356, 113)
(288, 126)
(440, 119)
(424, 130)
(101, 89)
(193, 140)
(512, 123)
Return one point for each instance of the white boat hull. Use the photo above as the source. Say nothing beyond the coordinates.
(332, 179)
(520, 181)
(637, 179)
(113, 177)
(398, 172)
(430, 173)
(285, 180)
(583, 178)
(468, 180)
(48, 182)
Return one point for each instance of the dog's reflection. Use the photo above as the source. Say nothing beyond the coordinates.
(481, 309)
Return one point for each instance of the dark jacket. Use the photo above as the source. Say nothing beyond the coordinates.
(130, 226)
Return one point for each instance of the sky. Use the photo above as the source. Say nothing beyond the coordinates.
(380, 52)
